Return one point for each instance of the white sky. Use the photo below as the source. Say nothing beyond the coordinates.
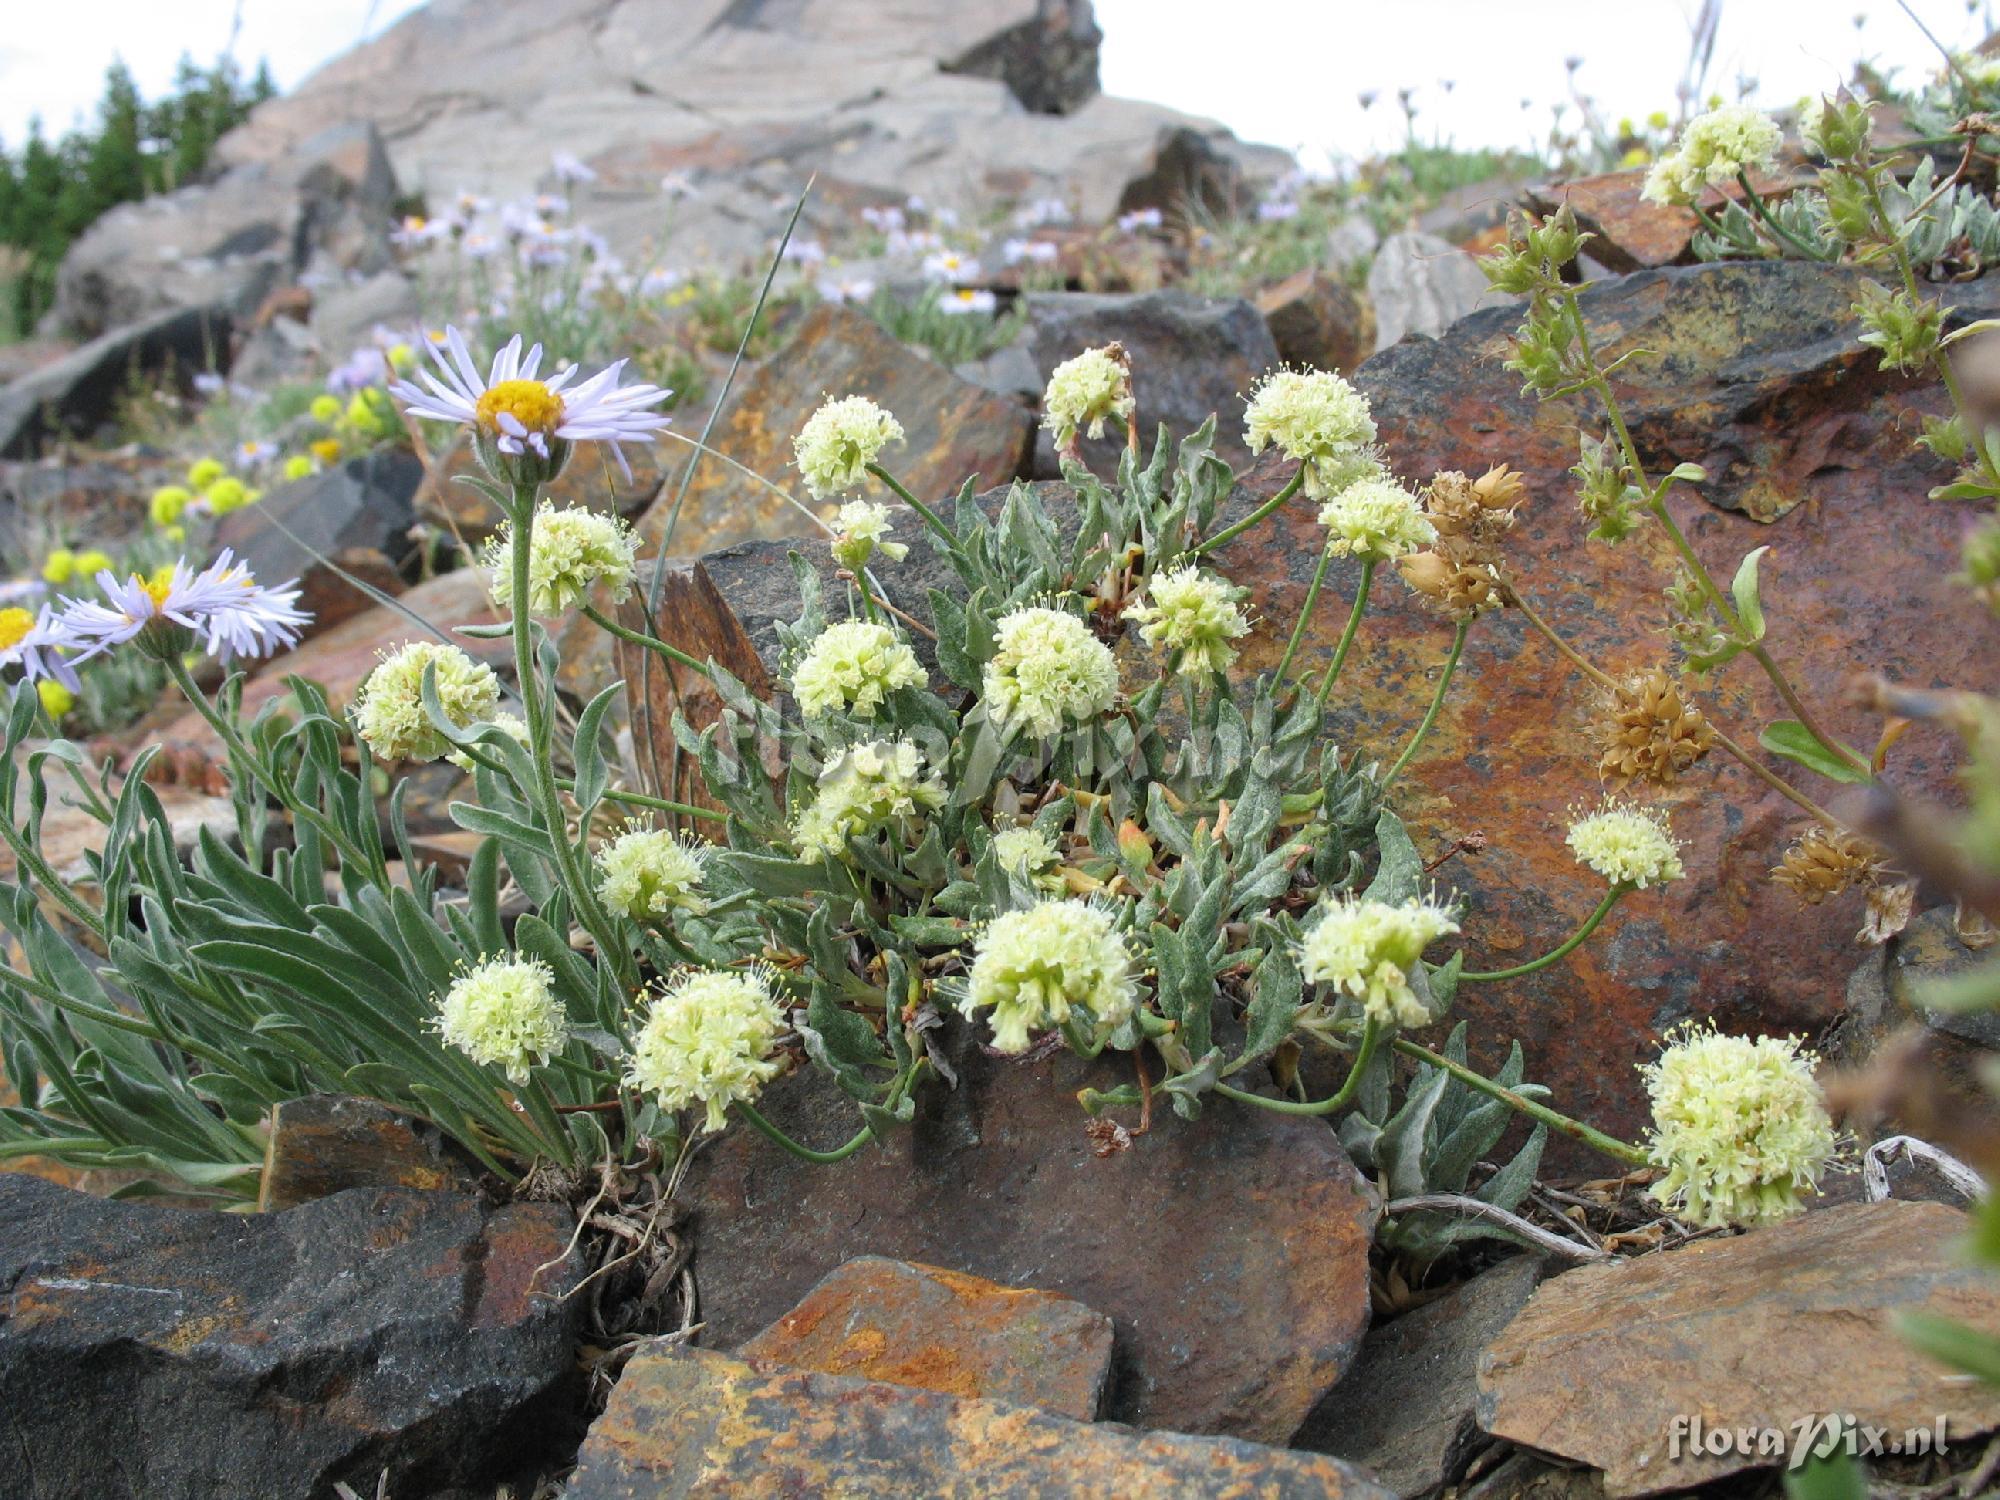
(1284, 71)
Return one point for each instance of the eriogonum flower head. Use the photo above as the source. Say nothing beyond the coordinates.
(1711, 151)
(35, 642)
(1739, 1126)
(504, 1012)
(523, 426)
(1318, 419)
(388, 711)
(646, 873)
(852, 668)
(1651, 730)
(711, 1038)
(221, 609)
(1376, 519)
(570, 552)
(864, 531)
(1084, 391)
(1195, 614)
(840, 441)
(879, 786)
(1826, 861)
(1627, 845)
(1057, 962)
(1047, 671)
(1370, 949)
(1029, 854)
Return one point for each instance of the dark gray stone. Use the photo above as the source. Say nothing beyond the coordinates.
(78, 392)
(1048, 62)
(1191, 356)
(155, 1354)
(1405, 1410)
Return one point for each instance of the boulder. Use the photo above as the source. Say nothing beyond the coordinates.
(1405, 1412)
(1608, 1365)
(1240, 1329)
(1633, 234)
(880, 1319)
(357, 514)
(79, 391)
(686, 1422)
(227, 244)
(324, 1144)
(1317, 321)
(157, 1352)
(1048, 60)
(1191, 356)
(1421, 284)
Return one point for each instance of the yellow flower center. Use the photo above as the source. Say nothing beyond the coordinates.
(528, 402)
(14, 626)
(156, 589)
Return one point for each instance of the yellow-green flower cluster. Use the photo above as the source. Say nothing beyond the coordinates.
(1195, 614)
(1084, 392)
(1055, 963)
(852, 668)
(1320, 420)
(1047, 671)
(1030, 855)
(1627, 845)
(1711, 151)
(64, 566)
(570, 552)
(647, 873)
(388, 711)
(872, 787)
(840, 441)
(710, 1039)
(1370, 949)
(1376, 519)
(504, 1012)
(1739, 1126)
(864, 531)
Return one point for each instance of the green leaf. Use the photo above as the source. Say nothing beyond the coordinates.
(1273, 1008)
(1794, 742)
(1749, 607)
(1400, 876)
(1965, 489)
(592, 775)
(1834, 1475)
(1957, 1344)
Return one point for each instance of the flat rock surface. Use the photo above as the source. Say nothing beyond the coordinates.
(180, 1356)
(1231, 1252)
(881, 1319)
(326, 1143)
(1755, 1331)
(687, 1422)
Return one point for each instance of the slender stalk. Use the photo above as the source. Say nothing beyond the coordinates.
(658, 804)
(1612, 1147)
(1777, 230)
(805, 1153)
(930, 517)
(541, 747)
(860, 576)
(1371, 1037)
(1230, 533)
(247, 759)
(659, 647)
(1569, 945)
(1569, 652)
(1305, 614)
(1368, 567)
(1437, 703)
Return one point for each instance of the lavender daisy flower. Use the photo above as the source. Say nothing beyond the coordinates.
(32, 642)
(222, 609)
(513, 414)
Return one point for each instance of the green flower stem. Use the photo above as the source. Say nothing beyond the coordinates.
(1368, 567)
(1437, 702)
(541, 748)
(245, 757)
(1778, 231)
(1569, 946)
(1305, 614)
(1612, 1147)
(868, 612)
(30, 859)
(804, 1153)
(1656, 503)
(658, 804)
(1230, 533)
(1709, 223)
(931, 518)
(1371, 1037)
(659, 647)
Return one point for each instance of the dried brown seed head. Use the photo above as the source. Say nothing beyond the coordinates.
(1651, 730)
